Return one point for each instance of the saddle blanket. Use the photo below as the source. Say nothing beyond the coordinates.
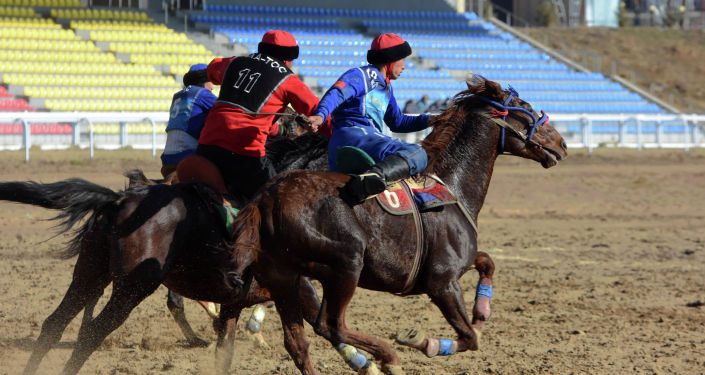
(428, 192)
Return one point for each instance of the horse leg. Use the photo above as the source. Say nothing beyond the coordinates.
(225, 325)
(89, 280)
(254, 325)
(175, 303)
(88, 313)
(127, 294)
(449, 299)
(336, 298)
(481, 310)
(289, 308)
(311, 307)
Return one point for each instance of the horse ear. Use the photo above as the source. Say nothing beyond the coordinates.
(474, 80)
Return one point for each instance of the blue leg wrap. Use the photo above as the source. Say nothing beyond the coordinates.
(445, 347)
(484, 291)
(352, 357)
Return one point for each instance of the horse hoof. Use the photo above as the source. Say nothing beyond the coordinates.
(369, 370)
(411, 337)
(259, 340)
(478, 336)
(392, 370)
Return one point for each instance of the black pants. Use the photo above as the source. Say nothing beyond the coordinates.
(243, 175)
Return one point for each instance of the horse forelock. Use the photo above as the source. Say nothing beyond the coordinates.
(448, 124)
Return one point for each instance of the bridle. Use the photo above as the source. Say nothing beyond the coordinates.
(503, 110)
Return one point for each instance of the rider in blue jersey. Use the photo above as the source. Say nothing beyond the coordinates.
(360, 103)
(187, 115)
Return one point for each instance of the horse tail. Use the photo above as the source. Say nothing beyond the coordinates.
(246, 235)
(75, 197)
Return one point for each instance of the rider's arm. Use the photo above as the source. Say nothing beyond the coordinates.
(216, 69)
(204, 101)
(304, 101)
(299, 95)
(350, 84)
(401, 123)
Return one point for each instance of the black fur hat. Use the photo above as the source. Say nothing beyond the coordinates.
(196, 76)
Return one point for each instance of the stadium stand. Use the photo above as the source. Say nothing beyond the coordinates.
(65, 56)
(447, 46)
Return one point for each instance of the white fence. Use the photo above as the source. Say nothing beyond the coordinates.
(579, 130)
(82, 123)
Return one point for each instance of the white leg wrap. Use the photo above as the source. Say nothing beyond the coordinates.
(255, 322)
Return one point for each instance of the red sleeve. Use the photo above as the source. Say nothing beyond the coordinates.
(299, 96)
(304, 101)
(216, 69)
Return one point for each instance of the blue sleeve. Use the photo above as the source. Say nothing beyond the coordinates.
(401, 123)
(205, 100)
(350, 84)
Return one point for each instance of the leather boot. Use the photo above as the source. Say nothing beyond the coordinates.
(374, 180)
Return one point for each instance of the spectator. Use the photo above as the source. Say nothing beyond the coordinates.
(423, 104)
(437, 106)
(411, 107)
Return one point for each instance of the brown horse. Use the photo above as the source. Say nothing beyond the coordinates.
(146, 236)
(346, 246)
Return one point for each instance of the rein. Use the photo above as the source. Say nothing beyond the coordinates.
(503, 110)
(299, 118)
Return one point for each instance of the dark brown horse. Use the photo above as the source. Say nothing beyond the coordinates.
(298, 226)
(146, 236)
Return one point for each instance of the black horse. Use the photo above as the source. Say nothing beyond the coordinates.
(307, 151)
(145, 236)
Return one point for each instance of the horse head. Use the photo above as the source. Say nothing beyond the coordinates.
(524, 132)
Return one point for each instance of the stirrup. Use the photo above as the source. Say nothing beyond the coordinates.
(363, 186)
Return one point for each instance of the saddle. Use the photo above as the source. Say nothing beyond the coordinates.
(196, 168)
(426, 192)
(413, 196)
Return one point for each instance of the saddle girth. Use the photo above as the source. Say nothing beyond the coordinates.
(404, 197)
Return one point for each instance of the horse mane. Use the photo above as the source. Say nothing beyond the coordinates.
(448, 123)
(286, 153)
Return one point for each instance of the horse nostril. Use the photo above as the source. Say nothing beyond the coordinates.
(564, 145)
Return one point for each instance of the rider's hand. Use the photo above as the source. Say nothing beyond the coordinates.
(315, 123)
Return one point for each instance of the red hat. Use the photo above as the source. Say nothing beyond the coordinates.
(279, 44)
(388, 48)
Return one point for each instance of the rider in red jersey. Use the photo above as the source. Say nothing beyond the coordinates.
(234, 134)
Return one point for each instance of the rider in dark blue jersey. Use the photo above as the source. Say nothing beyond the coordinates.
(360, 103)
(187, 115)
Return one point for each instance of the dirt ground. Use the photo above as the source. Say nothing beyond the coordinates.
(599, 271)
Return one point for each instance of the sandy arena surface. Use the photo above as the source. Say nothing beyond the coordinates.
(600, 270)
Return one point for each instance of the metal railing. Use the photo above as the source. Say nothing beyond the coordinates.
(631, 130)
(580, 130)
(79, 119)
